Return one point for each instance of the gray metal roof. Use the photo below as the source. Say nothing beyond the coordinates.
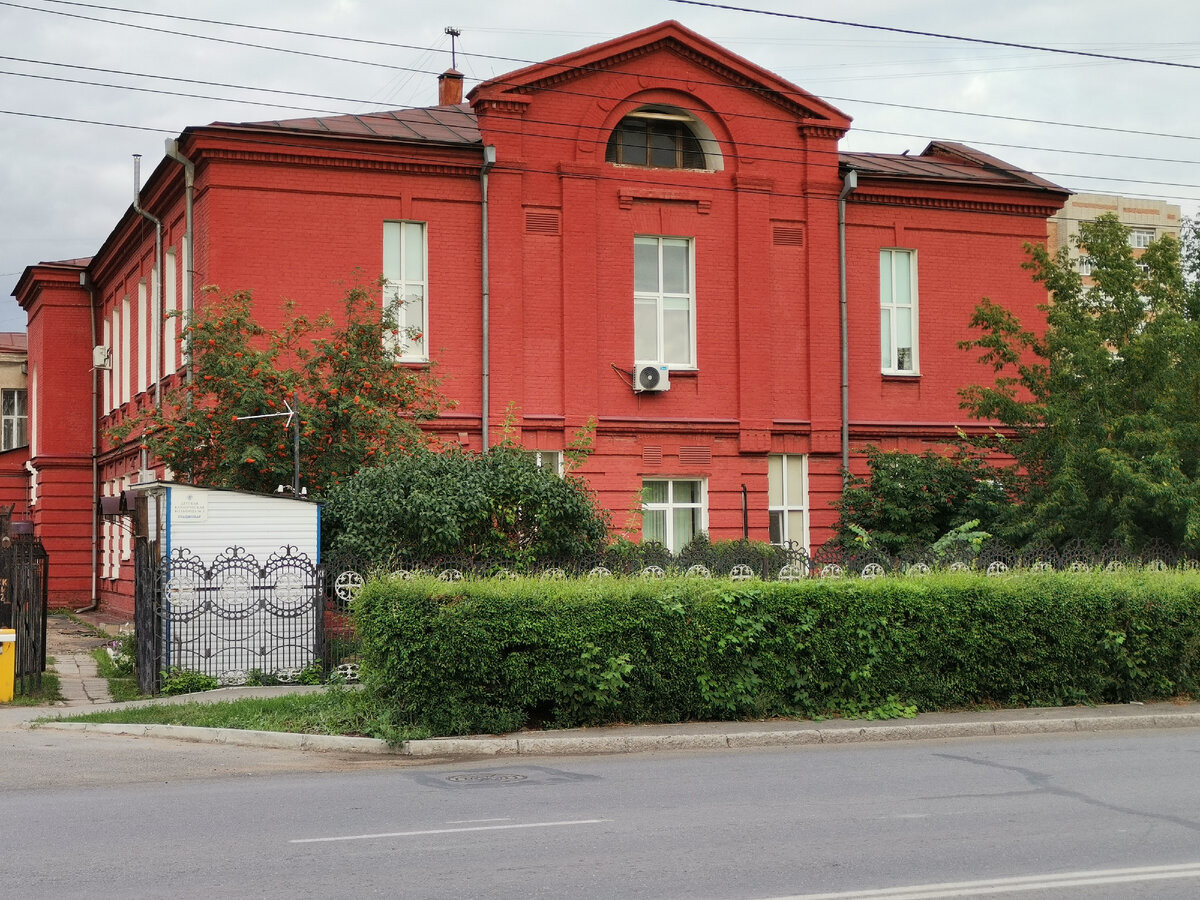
(433, 124)
(946, 161)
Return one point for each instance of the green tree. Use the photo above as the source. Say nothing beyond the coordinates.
(1102, 409)
(356, 406)
(456, 503)
(912, 499)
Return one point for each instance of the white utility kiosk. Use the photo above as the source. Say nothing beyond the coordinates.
(239, 588)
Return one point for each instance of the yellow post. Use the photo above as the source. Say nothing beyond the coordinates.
(8, 663)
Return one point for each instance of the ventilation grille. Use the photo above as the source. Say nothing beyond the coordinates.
(652, 456)
(541, 221)
(789, 236)
(695, 456)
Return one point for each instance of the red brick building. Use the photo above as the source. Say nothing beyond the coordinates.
(650, 209)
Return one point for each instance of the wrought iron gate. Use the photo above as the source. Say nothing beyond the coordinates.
(23, 607)
(229, 619)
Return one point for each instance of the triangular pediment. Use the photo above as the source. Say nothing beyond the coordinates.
(694, 51)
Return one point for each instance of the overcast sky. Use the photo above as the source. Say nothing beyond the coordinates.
(83, 86)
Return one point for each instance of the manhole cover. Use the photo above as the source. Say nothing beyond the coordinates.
(482, 777)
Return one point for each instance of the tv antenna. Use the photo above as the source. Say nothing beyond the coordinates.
(293, 419)
(454, 33)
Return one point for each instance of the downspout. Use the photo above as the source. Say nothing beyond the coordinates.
(850, 183)
(489, 160)
(745, 516)
(85, 282)
(155, 290)
(189, 182)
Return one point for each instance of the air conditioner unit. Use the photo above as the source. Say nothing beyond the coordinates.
(101, 357)
(651, 377)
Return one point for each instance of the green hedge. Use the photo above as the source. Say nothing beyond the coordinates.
(495, 656)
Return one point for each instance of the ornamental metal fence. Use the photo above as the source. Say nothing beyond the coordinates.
(237, 621)
(743, 561)
(23, 606)
(233, 619)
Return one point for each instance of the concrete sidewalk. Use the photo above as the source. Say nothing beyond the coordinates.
(71, 643)
(648, 738)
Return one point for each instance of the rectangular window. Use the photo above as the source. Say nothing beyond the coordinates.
(143, 344)
(664, 302)
(1141, 238)
(547, 459)
(106, 376)
(1085, 266)
(673, 512)
(405, 291)
(14, 419)
(787, 499)
(124, 360)
(898, 311)
(170, 286)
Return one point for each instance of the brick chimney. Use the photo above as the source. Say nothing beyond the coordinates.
(450, 85)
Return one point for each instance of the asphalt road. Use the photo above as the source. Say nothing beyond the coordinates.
(91, 815)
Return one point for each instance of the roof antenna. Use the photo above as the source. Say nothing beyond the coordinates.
(454, 33)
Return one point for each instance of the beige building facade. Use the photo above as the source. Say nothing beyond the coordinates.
(1147, 221)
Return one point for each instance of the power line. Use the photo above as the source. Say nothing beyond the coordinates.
(75, 121)
(602, 139)
(178, 18)
(205, 37)
(610, 71)
(947, 37)
(582, 94)
(198, 81)
(165, 93)
(256, 102)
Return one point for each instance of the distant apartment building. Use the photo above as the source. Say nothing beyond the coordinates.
(1147, 220)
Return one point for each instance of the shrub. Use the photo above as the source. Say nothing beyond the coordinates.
(496, 656)
(185, 681)
(455, 503)
(912, 499)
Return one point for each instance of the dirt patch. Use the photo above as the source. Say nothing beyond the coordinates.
(64, 635)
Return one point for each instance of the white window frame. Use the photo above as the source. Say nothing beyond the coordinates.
(1085, 266)
(668, 508)
(14, 427)
(170, 286)
(409, 341)
(889, 309)
(1141, 238)
(791, 466)
(662, 300)
(124, 361)
(547, 459)
(143, 338)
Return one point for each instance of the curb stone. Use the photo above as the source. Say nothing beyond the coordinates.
(552, 745)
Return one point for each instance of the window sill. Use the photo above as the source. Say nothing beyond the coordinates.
(901, 376)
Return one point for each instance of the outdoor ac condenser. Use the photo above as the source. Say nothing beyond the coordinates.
(651, 377)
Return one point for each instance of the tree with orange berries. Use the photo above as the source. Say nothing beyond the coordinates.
(357, 405)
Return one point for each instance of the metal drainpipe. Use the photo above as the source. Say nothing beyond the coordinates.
(489, 160)
(189, 184)
(155, 287)
(849, 184)
(85, 282)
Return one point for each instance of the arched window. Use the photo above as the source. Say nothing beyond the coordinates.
(659, 137)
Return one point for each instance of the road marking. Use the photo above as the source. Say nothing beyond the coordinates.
(477, 821)
(1011, 885)
(396, 834)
